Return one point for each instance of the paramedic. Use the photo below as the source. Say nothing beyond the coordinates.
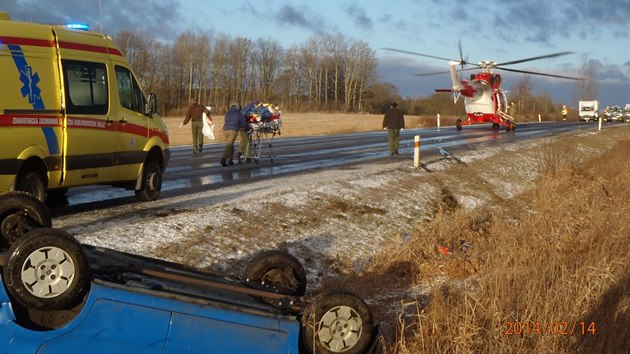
(564, 112)
(195, 116)
(394, 122)
(243, 146)
(234, 121)
(512, 110)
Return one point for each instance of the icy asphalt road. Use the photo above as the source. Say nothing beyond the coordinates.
(187, 174)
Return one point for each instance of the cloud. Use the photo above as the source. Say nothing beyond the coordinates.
(539, 21)
(153, 16)
(298, 17)
(359, 16)
(401, 72)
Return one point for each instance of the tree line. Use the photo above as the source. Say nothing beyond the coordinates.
(327, 72)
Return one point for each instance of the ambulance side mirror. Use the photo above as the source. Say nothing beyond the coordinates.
(151, 106)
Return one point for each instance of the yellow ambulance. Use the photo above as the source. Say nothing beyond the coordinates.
(72, 114)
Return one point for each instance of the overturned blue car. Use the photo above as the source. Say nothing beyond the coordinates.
(58, 296)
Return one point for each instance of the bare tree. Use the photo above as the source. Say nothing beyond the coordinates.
(522, 94)
(268, 62)
(587, 88)
(291, 82)
(359, 65)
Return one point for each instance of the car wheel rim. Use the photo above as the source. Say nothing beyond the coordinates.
(15, 225)
(154, 182)
(48, 272)
(339, 329)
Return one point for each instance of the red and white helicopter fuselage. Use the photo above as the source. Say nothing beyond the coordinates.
(484, 100)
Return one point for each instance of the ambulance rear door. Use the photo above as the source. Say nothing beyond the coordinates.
(30, 108)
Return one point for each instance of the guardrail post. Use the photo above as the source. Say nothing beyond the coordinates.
(416, 151)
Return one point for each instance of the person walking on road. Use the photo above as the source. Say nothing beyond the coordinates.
(564, 112)
(195, 116)
(394, 122)
(243, 146)
(512, 110)
(234, 121)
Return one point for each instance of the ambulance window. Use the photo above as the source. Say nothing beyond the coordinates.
(129, 91)
(86, 87)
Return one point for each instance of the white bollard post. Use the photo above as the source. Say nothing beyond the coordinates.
(416, 151)
(438, 121)
(539, 120)
(599, 124)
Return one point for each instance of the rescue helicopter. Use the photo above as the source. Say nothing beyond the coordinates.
(484, 100)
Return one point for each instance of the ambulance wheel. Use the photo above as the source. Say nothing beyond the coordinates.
(46, 269)
(458, 124)
(337, 321)
(57, 193)
(278, 270)
(20, 213)
(151, 182)
(32, 183)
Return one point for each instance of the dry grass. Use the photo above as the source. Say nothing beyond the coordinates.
(306, 124)
(558, 254)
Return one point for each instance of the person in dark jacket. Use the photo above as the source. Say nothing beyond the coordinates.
(195, 116)
(394, 122)
(234, 121)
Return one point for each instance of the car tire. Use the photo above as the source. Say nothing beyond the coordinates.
(337, 321)
(20, 212)
(151, 182)
(46, 269)
(279, 271)
(32, 183)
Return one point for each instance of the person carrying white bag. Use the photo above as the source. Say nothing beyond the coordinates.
(208, 125)
(195, 115)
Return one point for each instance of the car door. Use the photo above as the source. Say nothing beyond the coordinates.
(114, 326)
(133, 124)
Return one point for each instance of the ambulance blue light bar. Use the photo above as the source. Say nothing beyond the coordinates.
(78, 26)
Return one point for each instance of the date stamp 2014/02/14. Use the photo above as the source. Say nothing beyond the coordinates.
(556, 328)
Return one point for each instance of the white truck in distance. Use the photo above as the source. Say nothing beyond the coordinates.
(588, 111)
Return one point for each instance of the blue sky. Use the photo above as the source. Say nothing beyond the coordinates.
(500, 30)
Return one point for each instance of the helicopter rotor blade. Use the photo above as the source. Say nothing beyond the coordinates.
(446, 72)
(461, 53)
(535, 58)
(541, 74)
(433, 73)
(415, 53)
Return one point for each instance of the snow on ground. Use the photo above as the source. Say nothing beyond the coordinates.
(332, 219)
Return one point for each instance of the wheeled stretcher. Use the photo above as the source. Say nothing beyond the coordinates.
(264, 123)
